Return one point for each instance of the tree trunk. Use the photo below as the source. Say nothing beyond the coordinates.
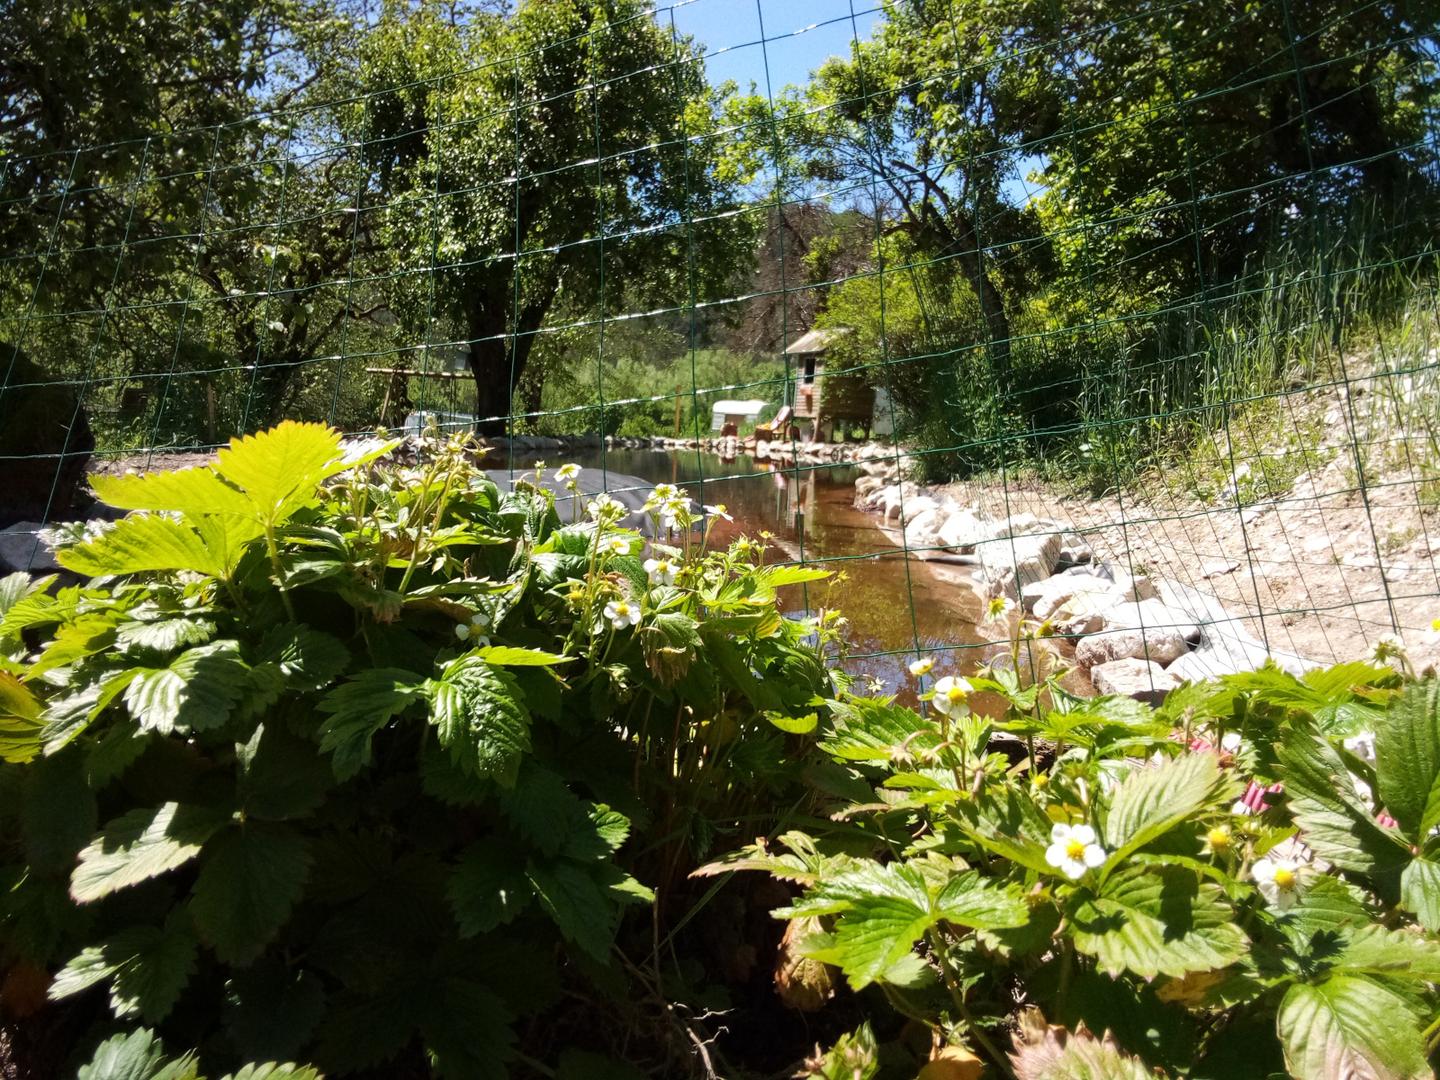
(498, 355)
(964, 241)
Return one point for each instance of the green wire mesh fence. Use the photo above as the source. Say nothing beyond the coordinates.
(1127, 316)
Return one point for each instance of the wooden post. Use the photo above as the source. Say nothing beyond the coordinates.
(677, 410)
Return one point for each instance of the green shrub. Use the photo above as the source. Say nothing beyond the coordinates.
(343, 762)
(1102, 878)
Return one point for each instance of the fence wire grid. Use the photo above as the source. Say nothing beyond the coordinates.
(1020, 289)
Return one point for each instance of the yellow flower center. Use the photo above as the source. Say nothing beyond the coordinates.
(1435, 625)
(1074, 850)
(1219, 837)
(1285, 879)
(622, 609)
(955, 694)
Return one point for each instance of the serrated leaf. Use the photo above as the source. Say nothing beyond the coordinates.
(480, 718)
(1333, 822)
(309, 659)
(20, 724)
(15, 587)
(1420, 891)
(147, 967)
(69, 715)
(885, 909)
(357, 709)
(543, 809)
(1157, 922)
(146, 543)
(280, 469)
(1407, 758)
(1154, 799)
(138, 1055)
(512, 656)
(868, 729)
(192, 491)
(969, 900)
(1056, 1054)
(794, 725)
(575, 901)
(777, 577)
(58, 812)
(272, 1071)
(489, 888)
(281, 775)
(1350, 1026)
(252, 876)
(196, 691)
(1010, 825)
(164, 635)
(1394, 954)
(142, 844)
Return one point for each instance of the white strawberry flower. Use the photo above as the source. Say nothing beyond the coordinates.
(605, 508)
(621, 614)
(567, 473)
(663, 493)
(951, 693)
(922, 667)
(661, 571)
(997, 610)
(1278, 880)
(480, 620)
(1073, 850)
(617, 545)
(718, 510)
(674, 511)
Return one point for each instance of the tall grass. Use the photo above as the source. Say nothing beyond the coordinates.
(1146, 391)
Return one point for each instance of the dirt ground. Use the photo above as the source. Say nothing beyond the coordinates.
(1317, 521)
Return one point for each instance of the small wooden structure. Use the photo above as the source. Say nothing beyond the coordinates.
(733, 414)
(822, 402)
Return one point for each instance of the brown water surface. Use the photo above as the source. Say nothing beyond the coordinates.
(898, 607)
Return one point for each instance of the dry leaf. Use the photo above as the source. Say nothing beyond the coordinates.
(802, 983)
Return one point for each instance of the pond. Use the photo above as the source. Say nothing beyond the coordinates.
(896, 606)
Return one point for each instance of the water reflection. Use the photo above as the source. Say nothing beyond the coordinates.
(897, 607)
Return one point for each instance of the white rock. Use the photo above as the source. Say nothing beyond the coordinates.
(1157, 644)
(1146, 629)
(898, 499)
(1142, 680)
(1014, 562)
(1045, 598)
(962, 530)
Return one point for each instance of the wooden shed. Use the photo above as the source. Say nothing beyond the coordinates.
(821, 401)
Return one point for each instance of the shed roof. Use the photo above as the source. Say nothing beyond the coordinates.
(816, 341)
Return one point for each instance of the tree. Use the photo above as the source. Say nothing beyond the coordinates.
(566, 152)
(154, 171)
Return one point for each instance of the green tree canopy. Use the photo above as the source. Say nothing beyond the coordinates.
(567, 153)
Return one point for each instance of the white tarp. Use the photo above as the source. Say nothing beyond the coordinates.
(742, 412)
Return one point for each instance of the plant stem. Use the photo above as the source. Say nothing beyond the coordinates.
(274, 551)
(958, 997)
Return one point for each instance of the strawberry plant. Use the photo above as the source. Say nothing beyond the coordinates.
(1229, 886)
(375, 768)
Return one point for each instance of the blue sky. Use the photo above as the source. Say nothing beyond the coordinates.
(800, 35)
